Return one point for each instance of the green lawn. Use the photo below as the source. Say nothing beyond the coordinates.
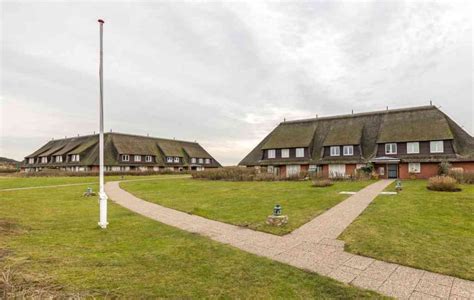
(50, 237)
(7, 182)
(245, 203)
(420, 228)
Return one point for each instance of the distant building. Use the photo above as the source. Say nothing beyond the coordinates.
(399, 143)
(123, 153)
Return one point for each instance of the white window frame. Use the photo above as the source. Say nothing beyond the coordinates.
(44, 160)
(414, 168)
(299, 152)
(58, 158)
(335, 151)
(193, 160)
(148, 158)
(78, 158)
(270, 169)
(31, 160)
(271, 153)
(436, 147)
(285, 153)
(176, 159)
(201, 161)
(137, 158)
(346, 152)
(169, 159)
(125, 157)
(207, 161)
(391, 148)
(413, 148)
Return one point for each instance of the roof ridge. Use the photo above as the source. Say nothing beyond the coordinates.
(362, 114)
(120, 133)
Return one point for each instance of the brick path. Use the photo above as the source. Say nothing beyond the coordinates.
(314, 247)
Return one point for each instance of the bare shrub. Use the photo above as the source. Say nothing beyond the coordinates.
(228, 174)
(443, 183)
(443, 168)
(464, 177)
(322, 182)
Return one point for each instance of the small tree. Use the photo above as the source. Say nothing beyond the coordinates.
(443, 168)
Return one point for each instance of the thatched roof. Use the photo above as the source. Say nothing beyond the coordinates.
(291, 135)
(118, 143)
(416, 125)
(425, 123)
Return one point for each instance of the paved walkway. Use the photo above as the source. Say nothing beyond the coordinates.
(314, 247)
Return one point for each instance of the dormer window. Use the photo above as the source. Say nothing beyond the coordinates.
(137, 158)
(391, 148)
(148, 158)
(271, 153)
(335, 151)
(31, 160)
(59, 159)
(193, 160)
(299, 152)
(125, 157)
(169, 159)
(176, 159)
(44, 160)
(285, 153)
(413, 148)
(208, 161)
(201, 160)
(75, 157)
(436, 147)
(348, 150)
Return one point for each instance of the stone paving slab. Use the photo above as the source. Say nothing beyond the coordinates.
(314, 247)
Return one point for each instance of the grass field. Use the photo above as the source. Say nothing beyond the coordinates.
(50, 237)
(8, 182)
(420, 228)
(245, 203)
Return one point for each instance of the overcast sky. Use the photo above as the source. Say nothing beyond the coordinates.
(225, 74)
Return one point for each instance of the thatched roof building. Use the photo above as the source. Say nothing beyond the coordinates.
(361, 138)
(123, 152)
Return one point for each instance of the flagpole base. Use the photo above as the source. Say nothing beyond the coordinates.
(103, 225)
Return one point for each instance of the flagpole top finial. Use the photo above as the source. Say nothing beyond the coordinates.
(101, 21)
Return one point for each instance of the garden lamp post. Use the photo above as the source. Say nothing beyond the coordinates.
(102, 196)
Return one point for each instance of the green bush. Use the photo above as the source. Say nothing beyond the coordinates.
(59, 173)
(443, 183)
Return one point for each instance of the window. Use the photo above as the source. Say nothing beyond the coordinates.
(285, 153)
(208, 161)
(148, 158)
(335, 151)
(270, 169)
(391, 148)
(31, 160)
(413, 148)
(44, 159)
(169, 159)
(59, 159)
(176, 159)
(193, 160)
(381, 171)
(125, 157)
(137, 158)
(201, 160)
(338, 170)
(436, 147)
(75, 157)
(414, 168)
(348, 150)
(292, 170)
(271, 153)
(299, 152)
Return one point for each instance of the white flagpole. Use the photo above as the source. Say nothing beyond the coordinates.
(102, 196)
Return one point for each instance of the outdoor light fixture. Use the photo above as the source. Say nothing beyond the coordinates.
(277, 210)
(102, 196)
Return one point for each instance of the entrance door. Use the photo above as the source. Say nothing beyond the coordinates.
(392, 171)
(292, 170)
